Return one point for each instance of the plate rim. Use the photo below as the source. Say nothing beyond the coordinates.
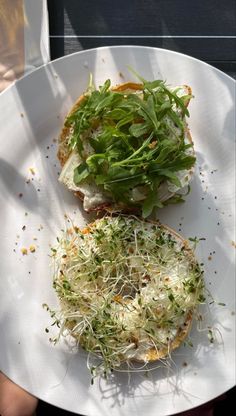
(100, 48)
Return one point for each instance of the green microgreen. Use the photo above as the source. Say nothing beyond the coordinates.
(102, 280)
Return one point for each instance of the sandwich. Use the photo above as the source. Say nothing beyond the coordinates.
(128, 290)
(128, 148)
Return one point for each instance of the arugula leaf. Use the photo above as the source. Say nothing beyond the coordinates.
(175, 199)
(150, 202)
(139, 129)
(170, 176)
(81, 173)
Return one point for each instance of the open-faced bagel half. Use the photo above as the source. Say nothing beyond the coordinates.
(128, 288)
(145, 161)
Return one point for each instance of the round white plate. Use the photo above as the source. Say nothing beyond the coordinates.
(33, 206)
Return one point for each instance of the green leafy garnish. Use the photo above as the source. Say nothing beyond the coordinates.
(137, 140)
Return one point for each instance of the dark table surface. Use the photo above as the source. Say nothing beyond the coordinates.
(204, 29)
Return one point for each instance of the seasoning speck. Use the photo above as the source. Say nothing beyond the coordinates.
(23, 228)
(32, 171)
(20, 195)
(24, 251)
(32, 249)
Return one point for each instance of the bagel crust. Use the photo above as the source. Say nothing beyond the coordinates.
(94, 197)
(128, 289)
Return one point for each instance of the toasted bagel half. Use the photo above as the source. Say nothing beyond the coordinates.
(130, 170)
(128, 289)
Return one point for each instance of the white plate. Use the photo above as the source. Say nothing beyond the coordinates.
(31, 115)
